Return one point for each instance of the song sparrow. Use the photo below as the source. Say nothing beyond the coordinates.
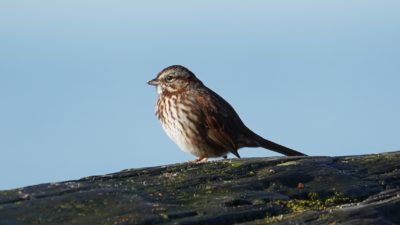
(200, 121)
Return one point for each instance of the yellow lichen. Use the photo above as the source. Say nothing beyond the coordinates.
(290, 163)
(236, 164)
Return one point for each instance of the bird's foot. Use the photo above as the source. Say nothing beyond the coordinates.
(199, 160)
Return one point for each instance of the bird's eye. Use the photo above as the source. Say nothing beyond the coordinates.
(169, 78)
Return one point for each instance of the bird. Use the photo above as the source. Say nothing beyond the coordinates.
(200, 121)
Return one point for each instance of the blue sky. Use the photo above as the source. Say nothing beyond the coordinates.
(318, 76)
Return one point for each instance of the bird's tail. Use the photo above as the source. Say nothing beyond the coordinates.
(275, 147)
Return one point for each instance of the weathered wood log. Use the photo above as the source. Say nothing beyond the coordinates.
(279, 190)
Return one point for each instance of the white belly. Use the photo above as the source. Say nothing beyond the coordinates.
(175, 125)
(174, 131)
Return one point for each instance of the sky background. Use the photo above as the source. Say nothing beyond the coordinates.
(321, 77)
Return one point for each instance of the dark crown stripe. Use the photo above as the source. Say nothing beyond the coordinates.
(173, 67)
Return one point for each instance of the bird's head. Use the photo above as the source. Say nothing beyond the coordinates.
(173, 79)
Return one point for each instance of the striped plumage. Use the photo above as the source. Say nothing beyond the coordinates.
(201, 122)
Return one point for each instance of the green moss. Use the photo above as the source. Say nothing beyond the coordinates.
(313, 202)
(338, 198)
(252, 173)
(299, 205)
(163, 216)
(313, 196)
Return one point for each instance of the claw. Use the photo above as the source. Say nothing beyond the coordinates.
(199, 160)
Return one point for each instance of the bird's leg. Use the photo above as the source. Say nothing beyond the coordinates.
(203, 160)
(199, 160)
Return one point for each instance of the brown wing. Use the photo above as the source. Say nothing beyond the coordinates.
(221, 121)
(226, 130)
(216, 132)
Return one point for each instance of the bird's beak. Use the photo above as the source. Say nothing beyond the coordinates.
(153, 82)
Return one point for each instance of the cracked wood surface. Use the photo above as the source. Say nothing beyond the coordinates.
(280, 190)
